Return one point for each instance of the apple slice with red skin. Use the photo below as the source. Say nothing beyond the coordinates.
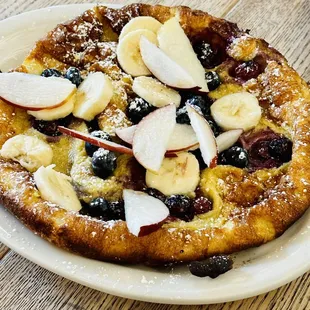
(183, 138)
(227, 139)
(108, 145)
(34, 92)
(152, 136)
(205, 136)
(144, 214)
(164, 68)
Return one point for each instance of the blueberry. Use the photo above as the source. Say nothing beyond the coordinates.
(74, 76)
(213, 80)
(201, 205)
(247, 70)
(117, 210)
(180, 206)
(99, 207)
(51, 72)
(155, 193)
(182, 116)
(103, 163)
(200, 103)
(281, 149)
(137, 109)
(234, 156)
(50, 128)
(211, 267)
(205, 54)
(93, 125)
(90, 148)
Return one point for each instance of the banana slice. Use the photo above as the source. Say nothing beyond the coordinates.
(154, 92)
(93, 95)
(30, 152)
(56, 188)
(56, 113)
(141, 22)
(239, 110)
(177, 175)
(128, 52)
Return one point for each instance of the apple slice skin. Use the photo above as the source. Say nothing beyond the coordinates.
(108, 145)
(204, 133)
(37, 79)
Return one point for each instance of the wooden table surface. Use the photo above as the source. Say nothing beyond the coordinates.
(24, 285)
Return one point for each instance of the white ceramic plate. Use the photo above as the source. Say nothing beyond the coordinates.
(256, 271)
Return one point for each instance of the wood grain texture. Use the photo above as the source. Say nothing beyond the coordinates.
(23, 285)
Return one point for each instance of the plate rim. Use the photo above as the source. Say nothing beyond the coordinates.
(132, 294)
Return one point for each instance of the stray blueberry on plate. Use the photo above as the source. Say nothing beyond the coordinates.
(235, 156)
(281, 149)
(180, 207)
(211, 267)
(137, 109)
(74, 76)
(103, 163)
(213, 80)
(51, 73)
(99, 207)
(90, 148)
(205, 54)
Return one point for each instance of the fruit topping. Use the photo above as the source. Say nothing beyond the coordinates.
(74, 76)
(56, 113)
(247, 70)
(281, 149)
(206, 55)
(117, 210)
(213, 80)
(129, 54)
(140, 22)
(155, 193)
(99, 207)
(201, 205)
(30, 152)
(144, 214)
(266, 149)
(55, 187)
(180, 207)
(237, 111)
(108, 145)
(235, 156)
(205, 137)
(182, 138)
(211, 267)
(34, 92)
(174, 42)
(90, 148)
(137, 109)
(177, 175)
(154, 92)
(103, 163)
(51, 72)
(227, 139)
(93, 95)
(152, 136)
(164, 68)
(50, 128)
